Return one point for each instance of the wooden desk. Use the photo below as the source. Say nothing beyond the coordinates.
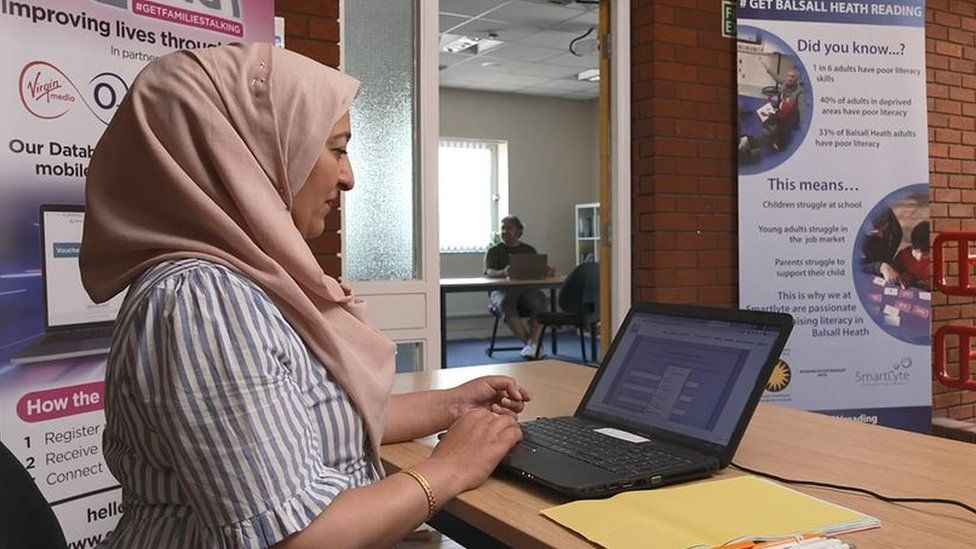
(487, 284)
(785, 442)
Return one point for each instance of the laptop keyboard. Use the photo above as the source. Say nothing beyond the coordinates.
(611, 454)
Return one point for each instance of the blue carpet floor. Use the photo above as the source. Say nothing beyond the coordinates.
(470, 352)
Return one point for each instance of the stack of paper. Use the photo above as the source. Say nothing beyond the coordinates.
(706, 514)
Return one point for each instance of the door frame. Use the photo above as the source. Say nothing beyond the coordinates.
(620, 175)
(428, 124)
(423, 291)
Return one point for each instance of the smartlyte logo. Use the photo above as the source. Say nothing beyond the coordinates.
(897, 374)
(47, 92)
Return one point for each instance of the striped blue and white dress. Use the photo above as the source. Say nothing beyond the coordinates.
(222, 427)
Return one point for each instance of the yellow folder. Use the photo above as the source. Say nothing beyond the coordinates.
(705, 514)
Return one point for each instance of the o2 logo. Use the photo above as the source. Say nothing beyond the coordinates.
(107, 91)
(47, 93)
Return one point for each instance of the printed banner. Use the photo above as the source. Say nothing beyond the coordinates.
(834, 201)
(66, 67)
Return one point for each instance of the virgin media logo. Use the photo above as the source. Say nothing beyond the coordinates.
(47, 93)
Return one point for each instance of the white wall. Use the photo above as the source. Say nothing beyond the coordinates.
(553, 165)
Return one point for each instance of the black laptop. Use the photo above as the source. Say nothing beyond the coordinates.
(669, 403)
(75, 325)
(528, 266)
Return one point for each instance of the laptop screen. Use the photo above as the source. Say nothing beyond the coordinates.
(67, 302)
(690, 376)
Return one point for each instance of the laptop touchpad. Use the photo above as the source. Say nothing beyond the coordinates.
(556, 468)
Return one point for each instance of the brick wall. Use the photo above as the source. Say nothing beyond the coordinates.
(312, 29)
(684, 168)
(950, 44)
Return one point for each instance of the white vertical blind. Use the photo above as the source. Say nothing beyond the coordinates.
(469, 174)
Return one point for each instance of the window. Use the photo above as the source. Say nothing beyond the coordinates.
(473, 192)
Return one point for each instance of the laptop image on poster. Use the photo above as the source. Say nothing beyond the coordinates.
(528, 266)
(74, 325)
(669, 403)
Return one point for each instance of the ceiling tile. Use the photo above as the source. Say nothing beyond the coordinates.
(470, 7)
(532, 13)
(549, 39)
(451, 59)
(544, 70)
(465, 70)
(487, 86)
(447, 22)
(486, 64)
(535, 56)
(590, 18)
(584, 95)
(567, 86)
(528, 54)
(507, 32)
(498, 65)
(517, 80)
(569, 60)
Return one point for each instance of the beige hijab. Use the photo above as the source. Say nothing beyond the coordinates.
(202, 160)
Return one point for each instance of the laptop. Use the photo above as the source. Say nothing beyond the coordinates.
(528, 266)
(669, 403)
(75, 326)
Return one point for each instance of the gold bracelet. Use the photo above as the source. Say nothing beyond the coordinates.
(431, 502)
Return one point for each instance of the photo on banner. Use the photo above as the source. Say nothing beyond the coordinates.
(833, 201)
(67, 66)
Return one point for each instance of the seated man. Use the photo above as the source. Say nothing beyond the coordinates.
(513, 305)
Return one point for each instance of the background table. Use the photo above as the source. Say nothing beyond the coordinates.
(487, 284)
(785, 442)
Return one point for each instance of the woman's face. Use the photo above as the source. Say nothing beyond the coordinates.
(331, 174)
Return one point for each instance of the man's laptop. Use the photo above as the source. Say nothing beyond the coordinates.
(669, 403)
(74, 325)
(528, 266)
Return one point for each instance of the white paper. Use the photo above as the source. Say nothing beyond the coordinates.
(766, 111)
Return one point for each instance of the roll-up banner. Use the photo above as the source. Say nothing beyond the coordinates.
(66, 66)
(834, 201)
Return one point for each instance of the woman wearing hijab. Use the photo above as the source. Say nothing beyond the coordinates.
(246, 393)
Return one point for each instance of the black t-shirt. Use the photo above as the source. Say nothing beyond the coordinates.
(498, 255)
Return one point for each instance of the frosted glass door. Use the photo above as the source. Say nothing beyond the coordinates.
(380, 229)
(390, 218)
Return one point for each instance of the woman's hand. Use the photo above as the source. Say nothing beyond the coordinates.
(474, 445)
(498, 394)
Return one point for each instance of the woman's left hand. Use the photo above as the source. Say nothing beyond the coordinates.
(498, 394)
